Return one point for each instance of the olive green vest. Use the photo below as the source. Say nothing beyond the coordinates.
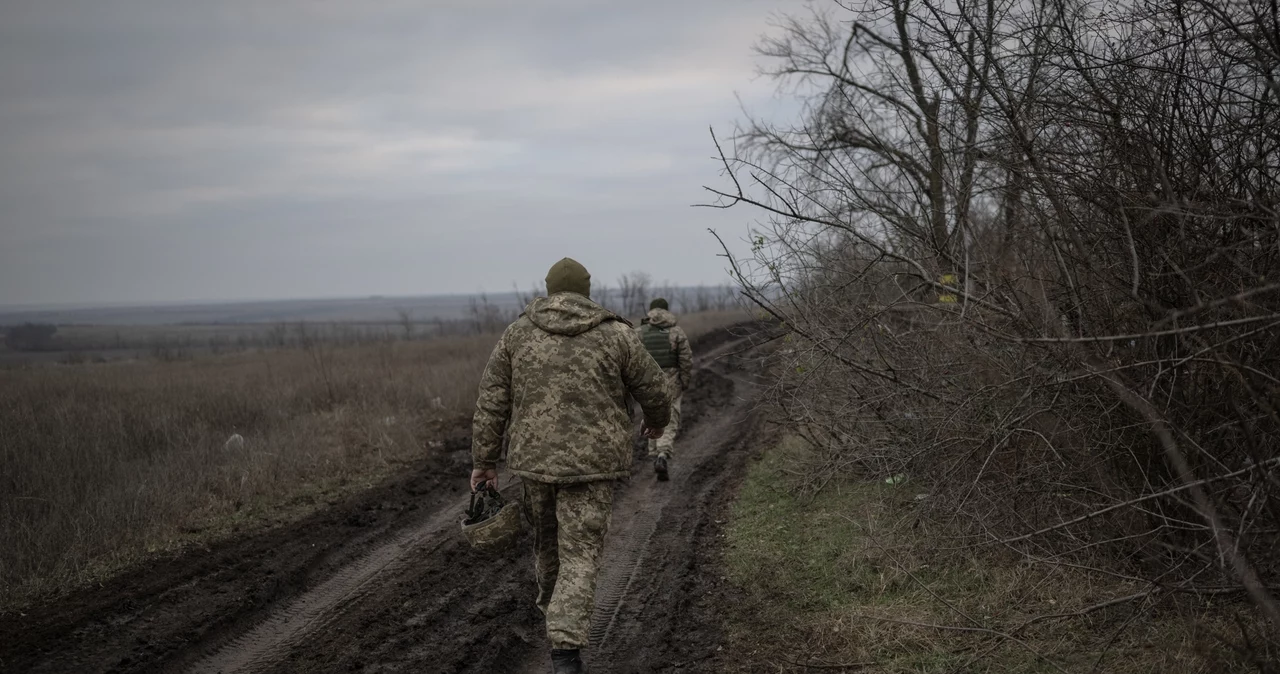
(658, 342)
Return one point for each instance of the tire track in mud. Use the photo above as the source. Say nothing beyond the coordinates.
(652, 519)
(619, 565)
(291, 633)
(167, 612)
(648, 504)
(315, 608)
(668, 530)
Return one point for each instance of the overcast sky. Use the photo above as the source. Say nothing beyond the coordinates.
(159, 150)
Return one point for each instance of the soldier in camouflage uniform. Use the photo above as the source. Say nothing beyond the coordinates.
(668, 345)
(556, 385)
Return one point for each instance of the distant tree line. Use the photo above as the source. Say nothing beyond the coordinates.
(483, 315)
(30, 337)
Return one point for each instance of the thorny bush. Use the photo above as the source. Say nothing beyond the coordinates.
(1027, 253)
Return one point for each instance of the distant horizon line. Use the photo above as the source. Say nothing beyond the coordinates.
(142, 304)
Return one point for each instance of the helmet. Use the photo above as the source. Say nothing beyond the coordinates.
(491, 523)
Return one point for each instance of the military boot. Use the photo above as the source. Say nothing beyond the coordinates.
(660, 467)
(565, 661)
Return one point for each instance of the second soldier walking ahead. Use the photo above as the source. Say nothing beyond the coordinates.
(669, 346)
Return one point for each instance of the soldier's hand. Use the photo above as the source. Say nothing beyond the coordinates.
(651, 433)
(480, 476)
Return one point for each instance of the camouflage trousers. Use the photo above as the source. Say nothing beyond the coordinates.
(569, 525)
(666, 445)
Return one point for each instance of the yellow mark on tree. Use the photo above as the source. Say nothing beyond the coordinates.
(947, 280)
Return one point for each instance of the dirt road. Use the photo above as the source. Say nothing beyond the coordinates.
(383, 582)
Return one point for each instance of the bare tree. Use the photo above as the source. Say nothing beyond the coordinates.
(406, 322)
(1030, 248)
(633, 291)
(524, 298)
(485, 317)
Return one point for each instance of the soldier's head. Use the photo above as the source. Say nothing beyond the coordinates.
(659, 303)
(569, 276)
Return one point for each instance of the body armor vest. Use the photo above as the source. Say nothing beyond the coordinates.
(658, 342)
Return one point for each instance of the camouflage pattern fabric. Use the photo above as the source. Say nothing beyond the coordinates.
(556, 385)
(665, 445)
(679, 377)
(661, 318)
(569, 525)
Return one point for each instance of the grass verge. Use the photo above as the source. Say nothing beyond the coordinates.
(849, 579)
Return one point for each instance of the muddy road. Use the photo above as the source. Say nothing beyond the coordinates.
(383, 582)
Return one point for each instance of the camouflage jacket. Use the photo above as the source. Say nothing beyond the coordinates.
(556, 385)
(682, 374)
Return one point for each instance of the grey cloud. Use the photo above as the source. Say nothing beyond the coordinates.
(169, 149)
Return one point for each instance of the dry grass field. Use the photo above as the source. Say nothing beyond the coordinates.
(102, 464)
